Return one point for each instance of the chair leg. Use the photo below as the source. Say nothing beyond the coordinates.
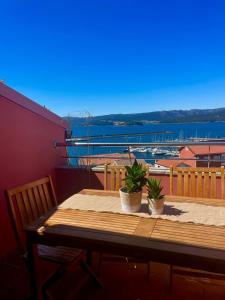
(58, 273)
(99, 263)
(89, 258)
(92, 275)
(148, 270)
(46, 296)
(170, 282)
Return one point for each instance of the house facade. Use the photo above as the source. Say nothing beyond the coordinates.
(195, 156)
(204, 156)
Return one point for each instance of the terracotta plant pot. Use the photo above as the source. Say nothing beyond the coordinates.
(156, 206)
(130, 202)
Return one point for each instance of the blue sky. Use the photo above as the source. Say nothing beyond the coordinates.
(124, 56)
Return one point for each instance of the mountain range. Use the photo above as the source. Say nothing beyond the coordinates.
(164, 116)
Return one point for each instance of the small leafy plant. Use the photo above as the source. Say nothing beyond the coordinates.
(135, 178)
(154, 189)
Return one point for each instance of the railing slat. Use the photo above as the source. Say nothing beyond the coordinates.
(193, 184)
(186, 183)
(171, 180)
(117, 174)
(112, 180)
(179, 183)
(199, 184)
(222, 183)
(213, 185)
(207, 183)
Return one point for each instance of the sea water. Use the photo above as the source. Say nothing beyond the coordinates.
(180, 131)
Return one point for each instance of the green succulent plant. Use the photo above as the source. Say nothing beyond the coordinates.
(135, 178)
(154, 189)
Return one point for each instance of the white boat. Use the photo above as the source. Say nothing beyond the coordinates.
(158, 151)
(148, 150)
(135, 149)
(142, 149)
(172, 153)
(175, 153)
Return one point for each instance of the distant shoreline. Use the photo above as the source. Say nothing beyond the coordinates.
(158, 117)
(152, 123)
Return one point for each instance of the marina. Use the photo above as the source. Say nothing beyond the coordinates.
(153, 151)
(151, 133)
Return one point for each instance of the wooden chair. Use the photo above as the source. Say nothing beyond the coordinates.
(113, 181)
(114, 175)
(196, 182)
(29, 202)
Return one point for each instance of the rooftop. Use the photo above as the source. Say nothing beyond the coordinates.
(107, 159)
(174, 163)
(204, 150)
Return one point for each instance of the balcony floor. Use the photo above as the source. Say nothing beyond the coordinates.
(123, 281)
(120, 281)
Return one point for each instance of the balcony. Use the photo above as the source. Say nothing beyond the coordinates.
(37, 149)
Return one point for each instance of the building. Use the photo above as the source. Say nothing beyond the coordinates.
(195, 156)
(120, 159)
(203, 156)
(165, 164)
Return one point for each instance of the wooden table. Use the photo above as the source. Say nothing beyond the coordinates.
(182, 244)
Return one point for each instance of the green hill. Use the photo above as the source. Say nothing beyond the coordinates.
(171, 116)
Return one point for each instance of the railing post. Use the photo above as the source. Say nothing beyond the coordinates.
(171, 180)
(222, 183)
(129, 155)
(105, 176)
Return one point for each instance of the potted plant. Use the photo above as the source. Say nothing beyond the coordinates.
(155, 198)
(131, 193)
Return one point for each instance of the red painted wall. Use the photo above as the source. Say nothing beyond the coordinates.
(72, 180)
(26, 152)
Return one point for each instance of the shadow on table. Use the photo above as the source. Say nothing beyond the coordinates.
(168, 210)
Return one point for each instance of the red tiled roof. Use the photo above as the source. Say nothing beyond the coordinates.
(203, 150)
(124, 162)
(174, 163)
(109, 158)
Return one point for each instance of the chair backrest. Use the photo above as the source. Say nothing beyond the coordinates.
(116, 175)
(197, 182)
(29, 202)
